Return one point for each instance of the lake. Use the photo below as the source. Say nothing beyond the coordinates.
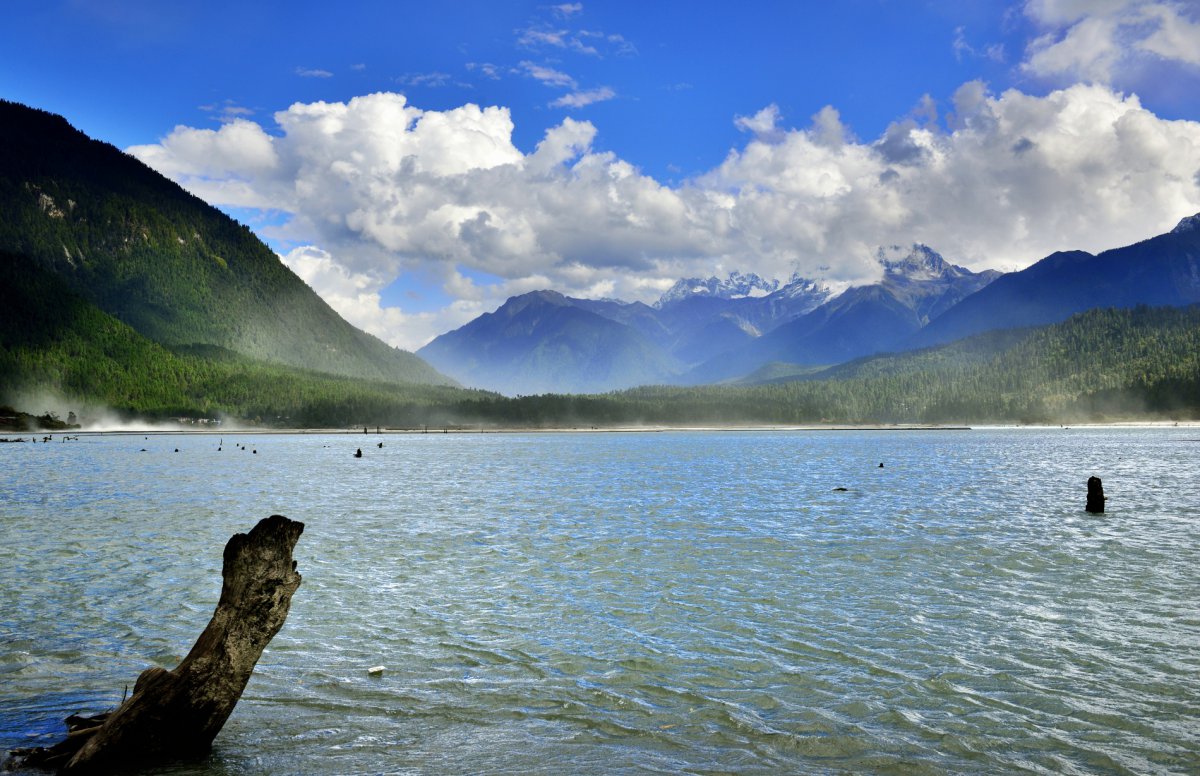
(588, 603)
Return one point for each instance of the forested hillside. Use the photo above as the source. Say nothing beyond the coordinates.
(175, 269)
(1102, 364)
(55, 343)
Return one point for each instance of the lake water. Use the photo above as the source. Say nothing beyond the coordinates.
(681, 602)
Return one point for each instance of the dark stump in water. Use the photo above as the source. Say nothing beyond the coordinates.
(1095, 497)
(177, 714)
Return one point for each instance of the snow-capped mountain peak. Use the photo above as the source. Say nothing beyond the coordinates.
(736, 286)
(915, 262)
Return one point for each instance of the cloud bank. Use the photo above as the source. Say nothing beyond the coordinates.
(376, 187)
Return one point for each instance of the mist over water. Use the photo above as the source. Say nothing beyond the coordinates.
(650, 602)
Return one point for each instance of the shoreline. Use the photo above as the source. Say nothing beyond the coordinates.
(647, 429)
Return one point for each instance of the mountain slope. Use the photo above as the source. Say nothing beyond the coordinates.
(1101, 364)
(161, 260)
(54, 343)
(1163, 270)
(543, 342)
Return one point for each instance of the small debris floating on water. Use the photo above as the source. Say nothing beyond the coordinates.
(375, 670)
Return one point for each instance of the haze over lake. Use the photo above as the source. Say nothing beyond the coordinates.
(655, 602)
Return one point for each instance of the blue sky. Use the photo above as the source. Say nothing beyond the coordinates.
(129, 71)
(678, 138)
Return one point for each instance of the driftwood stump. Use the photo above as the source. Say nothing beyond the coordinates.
(177, 714)
(1095, 497)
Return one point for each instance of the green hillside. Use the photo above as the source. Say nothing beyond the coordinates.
(1103, 364)
(53, 342)
(173, 268)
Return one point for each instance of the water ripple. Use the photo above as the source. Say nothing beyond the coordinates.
(661, 603)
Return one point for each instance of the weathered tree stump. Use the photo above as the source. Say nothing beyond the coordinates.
(1095, 496)
(177, 714)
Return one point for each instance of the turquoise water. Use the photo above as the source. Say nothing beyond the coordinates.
(679, 602)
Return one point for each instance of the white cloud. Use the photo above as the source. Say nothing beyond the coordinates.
(584, 98)
(1176, 38)
(227, 110)
(993, 51)
(828, 129)
(307, 72)
(764, 125)
(383, 187)
(534, 38)
(1089, 50)
(594, 43)
(356, 297)
(547, 75)
(434, 79)
(1101, 40)
(567, 9)
(487, 69)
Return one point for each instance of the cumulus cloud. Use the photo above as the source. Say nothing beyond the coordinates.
(1101, 40)
(375, 187)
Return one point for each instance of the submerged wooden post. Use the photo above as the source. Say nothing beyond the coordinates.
(174, 714)
(1095, 496)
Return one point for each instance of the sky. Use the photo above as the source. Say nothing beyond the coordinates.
(417, 163)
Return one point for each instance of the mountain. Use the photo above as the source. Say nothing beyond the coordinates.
(56, 346)
(1163, 270)
(544, 342)
(710, 316)
(736, 286)
(176, 270)
(917, 286)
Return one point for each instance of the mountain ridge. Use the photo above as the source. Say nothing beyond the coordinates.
(161, 260)
(1161, 270)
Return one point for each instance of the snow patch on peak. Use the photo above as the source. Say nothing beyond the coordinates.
(736, 286)
(917, 262)
(1189, 224)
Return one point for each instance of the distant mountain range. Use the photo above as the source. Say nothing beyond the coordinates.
(701, 330)
(544, 342)
(917, 286)
(176, 270)
(744, 328)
